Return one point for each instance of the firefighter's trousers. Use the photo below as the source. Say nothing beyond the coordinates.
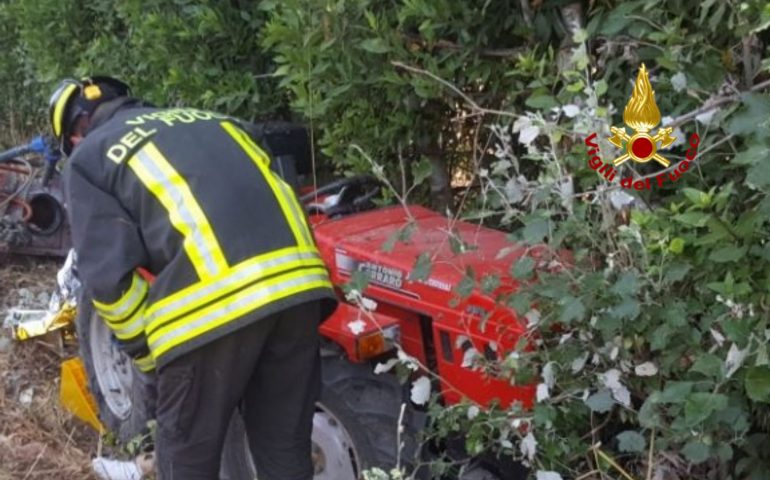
(271, 369)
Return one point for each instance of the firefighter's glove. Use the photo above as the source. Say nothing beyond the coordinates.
(134, 348)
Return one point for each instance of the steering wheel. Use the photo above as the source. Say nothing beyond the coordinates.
(343, 197)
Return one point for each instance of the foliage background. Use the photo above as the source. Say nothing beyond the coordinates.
(653, 343)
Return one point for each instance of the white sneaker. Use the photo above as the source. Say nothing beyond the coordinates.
(107, 469)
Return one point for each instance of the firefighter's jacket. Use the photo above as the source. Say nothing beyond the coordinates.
(191, 198)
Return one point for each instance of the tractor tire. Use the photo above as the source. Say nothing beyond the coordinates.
(124, 395)
(355, 426)
(368, 406)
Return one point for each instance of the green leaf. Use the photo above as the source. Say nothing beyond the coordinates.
(709, 365)
(725, 452)
(628, 309)
(536, 230)
(696, 197)
(758, 175)
(676, 272)
(676, 245)
(661, 337)
(580, 35)
(375, 45)
(649, 417)
(693, 219)
(358, 281)
(523, 267)
(544, 102)
(576, 87)
(738, 330)
(676, 392)
(700, 405)
(421, 170)
(728, 254)
(756, 153)
(403, 235)
(757, 383)
(521, 302)
(626, 285)
(601, 87)
(718, 234)
(631, 441)
(422, 268)
(601, 401)
(617, 19)
(489, 283)
(572, 309)
(696, 451)
(746, 225)
(729, 288)
(753, 118)
(465, 287)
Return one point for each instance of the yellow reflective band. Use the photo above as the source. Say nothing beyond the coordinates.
(160, 178)
(246, 272)
(127, 303)
(297, 211)
(227, 309)
(285, 197)
(131, 327)
(145, 364)
(58, 111)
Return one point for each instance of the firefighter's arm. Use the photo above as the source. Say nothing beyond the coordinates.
(109, 249)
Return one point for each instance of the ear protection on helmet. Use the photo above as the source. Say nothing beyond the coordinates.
(73, 98)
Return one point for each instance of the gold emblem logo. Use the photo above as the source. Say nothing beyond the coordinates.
(641, 115)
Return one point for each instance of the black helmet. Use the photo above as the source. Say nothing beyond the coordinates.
(73, 98)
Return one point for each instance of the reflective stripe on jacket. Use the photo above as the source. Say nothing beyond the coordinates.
(189, 196)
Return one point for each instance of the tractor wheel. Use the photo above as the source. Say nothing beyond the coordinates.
(354, 428)
(366, 406)
(124, 395)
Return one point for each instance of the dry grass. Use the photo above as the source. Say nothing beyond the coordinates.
(38, 438)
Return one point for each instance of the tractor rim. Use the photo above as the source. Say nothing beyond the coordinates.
(113, 369)
(334, 453)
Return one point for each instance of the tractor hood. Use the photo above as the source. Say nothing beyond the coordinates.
(356, 242)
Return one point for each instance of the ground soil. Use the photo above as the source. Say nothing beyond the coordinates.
(38, 438)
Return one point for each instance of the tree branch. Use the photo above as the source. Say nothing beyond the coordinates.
(449, 45)
(473, 104)
(714, 103)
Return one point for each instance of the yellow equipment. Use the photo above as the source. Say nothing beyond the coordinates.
(75, 396)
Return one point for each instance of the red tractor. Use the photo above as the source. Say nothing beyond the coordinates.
(357, 420)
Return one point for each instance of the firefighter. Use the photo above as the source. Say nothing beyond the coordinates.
(231, 317)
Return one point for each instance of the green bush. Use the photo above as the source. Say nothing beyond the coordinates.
(337, 61)
(204, 54)
(652, 331)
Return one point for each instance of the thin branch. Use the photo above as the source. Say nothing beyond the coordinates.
(714, 103)
(649, 456)
(597, 449)
(588, 475)
(474, 105)
(449, 45)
